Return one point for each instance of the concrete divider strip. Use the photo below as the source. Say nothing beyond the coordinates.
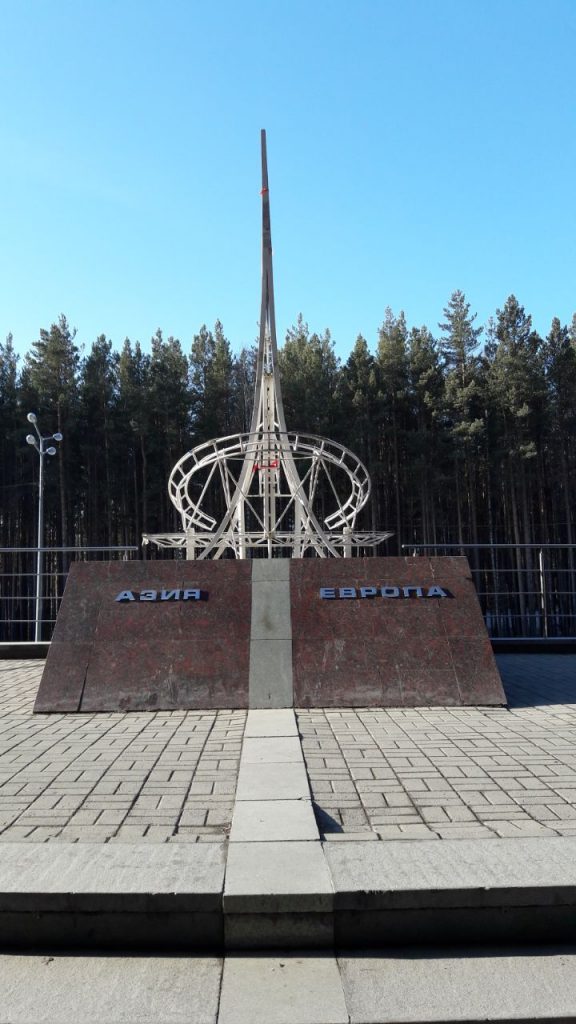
(270, 673)
(278, 889)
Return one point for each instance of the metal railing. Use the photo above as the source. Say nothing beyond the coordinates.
(525, 590)
(22, 617)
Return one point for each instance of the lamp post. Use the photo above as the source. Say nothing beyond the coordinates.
(39, 443)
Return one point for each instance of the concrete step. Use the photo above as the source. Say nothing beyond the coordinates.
(109, 897)
(287, 894)
(372, 894)
(440, 892)
(423, 986)
(402, 986)
(54, 988)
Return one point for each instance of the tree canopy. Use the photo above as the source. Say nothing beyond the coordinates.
(465, 443)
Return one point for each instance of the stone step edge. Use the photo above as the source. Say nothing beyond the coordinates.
(286, 902)
(177, 896)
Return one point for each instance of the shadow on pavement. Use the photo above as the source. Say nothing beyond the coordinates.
(534, 680)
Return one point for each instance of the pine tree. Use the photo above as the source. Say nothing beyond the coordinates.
(213, 399)
(169, 435)
(134, 425)
(221, 394)
(309, 372)
(427, 442)
(243, 378)
(201, 362)
(559, 471)
(464, 407)
(53, 375)
(392, 362)
(357, 401)
(10, 443)
(98, 395)
(517, 395)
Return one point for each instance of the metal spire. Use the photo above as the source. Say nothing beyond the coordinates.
(284, 493)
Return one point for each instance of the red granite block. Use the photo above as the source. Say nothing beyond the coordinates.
(344, 673)
(340, 572)
(427, 675)
(476, 670)
(153, 675)
(63, 677)
(394, 618)
(137, 655)
(76, 618)
(314, 618)
(226, 611)
(408, 621)
(416, 634)
(373, 651)
(460, 615)
(450, 565)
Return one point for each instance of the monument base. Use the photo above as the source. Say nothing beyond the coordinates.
(354, 632)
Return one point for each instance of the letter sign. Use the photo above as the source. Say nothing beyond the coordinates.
(409, 592)
(192, 594)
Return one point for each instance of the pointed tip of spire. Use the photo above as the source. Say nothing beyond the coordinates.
(264, 189)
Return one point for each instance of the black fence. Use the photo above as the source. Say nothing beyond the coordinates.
(28, 612)
(525, 590)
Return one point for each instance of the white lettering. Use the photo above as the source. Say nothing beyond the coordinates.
(327, 592)
(368, 591)
(417, 591)
(125, 595)
(347, 591)
(169, 595)
(191, 595)
(148, 595)
(436, 592)
(390, 591)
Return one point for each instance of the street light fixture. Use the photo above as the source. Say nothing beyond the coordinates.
(39, 443)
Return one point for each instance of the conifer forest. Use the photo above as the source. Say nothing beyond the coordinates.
(468, 434)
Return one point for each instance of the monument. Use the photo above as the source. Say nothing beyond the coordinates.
(276, 602)
(285, 494)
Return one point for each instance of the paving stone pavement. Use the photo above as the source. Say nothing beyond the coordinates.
(166, 776)
(451, 773)
(392, 774)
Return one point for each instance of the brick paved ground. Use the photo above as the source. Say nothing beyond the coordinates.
(137, 777)
(375, 774)
(452, 772)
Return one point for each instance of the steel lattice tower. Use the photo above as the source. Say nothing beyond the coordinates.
(284, 494)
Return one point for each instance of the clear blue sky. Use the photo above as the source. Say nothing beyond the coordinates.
(414, 147)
